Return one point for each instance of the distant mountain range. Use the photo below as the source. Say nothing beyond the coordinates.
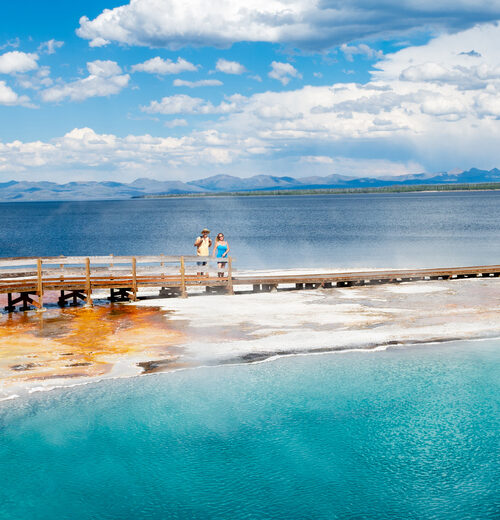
(14, 191)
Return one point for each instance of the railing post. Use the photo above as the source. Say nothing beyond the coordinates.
(230, 275)
(162, 267)
(39, 288)
(88, 286)
(61, 268)
(134, 279)
(111, 265)
(183, 278)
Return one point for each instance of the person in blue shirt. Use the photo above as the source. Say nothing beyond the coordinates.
(221, 250)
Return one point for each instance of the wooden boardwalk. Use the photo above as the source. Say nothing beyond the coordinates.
(26, 280)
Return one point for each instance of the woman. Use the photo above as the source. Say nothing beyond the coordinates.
(221, 249)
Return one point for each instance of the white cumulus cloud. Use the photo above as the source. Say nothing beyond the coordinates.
(447, 59)
(229, 67)
(104, 79)
(17, 61)
(283, 72)
(158, 65)
(103, 68)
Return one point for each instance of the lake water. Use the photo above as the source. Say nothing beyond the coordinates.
(402, 434)
(359, 230)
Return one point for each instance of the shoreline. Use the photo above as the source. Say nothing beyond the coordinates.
(420, 188)
(270, 359)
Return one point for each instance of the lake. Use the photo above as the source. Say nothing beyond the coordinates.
(342, 231)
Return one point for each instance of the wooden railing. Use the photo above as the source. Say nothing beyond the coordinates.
(80, 275)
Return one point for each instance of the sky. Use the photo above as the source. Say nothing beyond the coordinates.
(107, 90)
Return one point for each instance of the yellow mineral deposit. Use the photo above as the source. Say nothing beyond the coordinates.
(72, 343)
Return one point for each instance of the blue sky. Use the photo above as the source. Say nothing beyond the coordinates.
(171, 89)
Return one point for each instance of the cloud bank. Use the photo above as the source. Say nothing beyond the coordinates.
(306, 24)
(434, 106)
(84, 149)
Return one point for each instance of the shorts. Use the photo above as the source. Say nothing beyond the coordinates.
(201, 263)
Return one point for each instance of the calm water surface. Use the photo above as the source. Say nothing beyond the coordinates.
(372, 230)
(403, 434)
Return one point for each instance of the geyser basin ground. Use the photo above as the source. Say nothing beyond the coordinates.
(76, 345)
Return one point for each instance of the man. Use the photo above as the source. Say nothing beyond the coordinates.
(203, 244)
